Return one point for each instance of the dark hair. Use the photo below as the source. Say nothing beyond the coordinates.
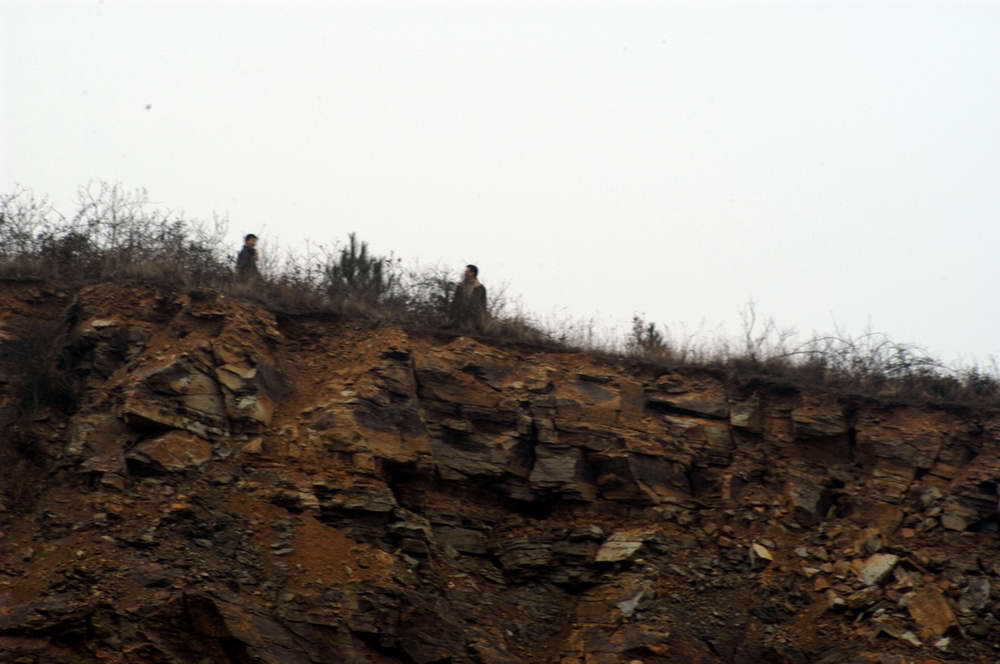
(475, 270)
(250, 236)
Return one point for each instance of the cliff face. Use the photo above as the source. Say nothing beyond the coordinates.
(234, 488)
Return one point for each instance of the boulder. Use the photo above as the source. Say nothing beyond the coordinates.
(170, 453)
(876, 568)
(237, 377)
(354, 494)
(957, 517)
(152, 414)
(561, 469)
(976, 596)
(808, 501)
(462, 454)
(616, 551)
(931, 611)
(864, 598)
(623, 545)
(257, 408)
(177, 396)
(372, 497)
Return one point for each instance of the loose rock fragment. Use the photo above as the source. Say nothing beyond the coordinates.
(612, 551)
(931, 611)
(876, 568)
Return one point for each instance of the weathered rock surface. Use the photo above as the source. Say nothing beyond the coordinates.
(876, 568)
(931, 611)
(171, 452)
(236, 488)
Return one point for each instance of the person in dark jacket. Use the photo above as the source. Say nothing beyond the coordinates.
(246, 262)
(468, 305)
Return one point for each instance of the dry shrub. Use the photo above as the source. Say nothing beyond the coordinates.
(518, 329)
(33, 362)
(870, 363)
(118, 234)
(115, 233)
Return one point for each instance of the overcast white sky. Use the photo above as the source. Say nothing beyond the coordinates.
(833, 161)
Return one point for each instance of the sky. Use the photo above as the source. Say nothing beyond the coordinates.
(836, 163)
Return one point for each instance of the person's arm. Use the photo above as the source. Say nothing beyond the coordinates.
(481, 299)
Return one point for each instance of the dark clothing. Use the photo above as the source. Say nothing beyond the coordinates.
(246, 264)
(468, 306)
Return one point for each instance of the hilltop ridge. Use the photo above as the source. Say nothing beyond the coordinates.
(221, 484)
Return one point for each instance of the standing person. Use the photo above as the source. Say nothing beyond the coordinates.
(246, 262)
(468, 306)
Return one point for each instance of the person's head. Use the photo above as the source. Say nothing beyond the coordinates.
(250, 241)
(471, 272)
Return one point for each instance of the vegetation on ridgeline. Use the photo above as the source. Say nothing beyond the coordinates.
(117, 234)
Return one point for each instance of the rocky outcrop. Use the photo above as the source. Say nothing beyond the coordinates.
(236, 488)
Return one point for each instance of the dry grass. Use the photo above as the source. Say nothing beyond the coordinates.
(869, 364)
(117, 235)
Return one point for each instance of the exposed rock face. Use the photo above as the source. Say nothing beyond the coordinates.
(237, 489)
(171, 452)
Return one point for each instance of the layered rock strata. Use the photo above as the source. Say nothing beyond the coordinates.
(236, 487)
